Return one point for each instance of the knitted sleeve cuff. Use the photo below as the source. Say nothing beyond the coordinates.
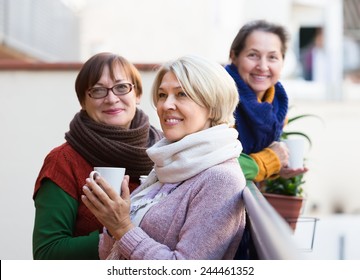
(127, 244)
(268, 162)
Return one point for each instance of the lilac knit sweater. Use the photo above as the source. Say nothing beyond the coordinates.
(204, 218)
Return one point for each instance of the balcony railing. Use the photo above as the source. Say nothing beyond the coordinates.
(269, 236)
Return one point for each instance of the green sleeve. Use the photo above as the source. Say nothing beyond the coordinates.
(55, 218)
(248, 166)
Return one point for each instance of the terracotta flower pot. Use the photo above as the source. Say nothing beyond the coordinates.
(288, 207)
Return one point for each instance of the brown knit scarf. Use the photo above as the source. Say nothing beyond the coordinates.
(105, 145)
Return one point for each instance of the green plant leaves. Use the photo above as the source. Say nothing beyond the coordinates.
(286, 134)
(291, 186)
(290, 120)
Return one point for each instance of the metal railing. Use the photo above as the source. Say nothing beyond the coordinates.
(270, 234)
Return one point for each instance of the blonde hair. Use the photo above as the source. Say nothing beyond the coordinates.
(207, 83)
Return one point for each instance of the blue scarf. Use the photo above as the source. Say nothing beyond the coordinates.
(258, 123)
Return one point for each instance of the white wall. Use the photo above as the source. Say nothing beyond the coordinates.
(155, 31)
(36, 110)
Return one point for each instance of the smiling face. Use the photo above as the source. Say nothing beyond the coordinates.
(179, 115)
(112, 110)
(261, 61)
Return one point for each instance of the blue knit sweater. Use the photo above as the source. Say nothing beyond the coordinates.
(258, 123)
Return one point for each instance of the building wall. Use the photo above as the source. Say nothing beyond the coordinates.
(47, 30)
(156, 31)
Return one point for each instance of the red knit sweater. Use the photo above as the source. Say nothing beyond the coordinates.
(68, 169)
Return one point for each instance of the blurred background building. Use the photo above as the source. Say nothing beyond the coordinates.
(44, 42)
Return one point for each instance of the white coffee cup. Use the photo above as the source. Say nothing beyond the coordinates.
(143, 178)
(113, 175)
(296, 148)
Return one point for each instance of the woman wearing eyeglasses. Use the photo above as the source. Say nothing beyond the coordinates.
(108, 131)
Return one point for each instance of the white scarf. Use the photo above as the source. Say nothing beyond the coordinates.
(178, 161)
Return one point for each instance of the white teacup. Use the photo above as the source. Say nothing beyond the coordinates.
(113, 175)
(296, 148)
(143, 179)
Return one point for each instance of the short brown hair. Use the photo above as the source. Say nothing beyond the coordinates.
(91, 72)
(258, 25)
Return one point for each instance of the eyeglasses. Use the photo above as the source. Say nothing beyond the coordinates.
(118, 90)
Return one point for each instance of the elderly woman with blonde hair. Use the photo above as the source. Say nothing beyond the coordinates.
(190, 206)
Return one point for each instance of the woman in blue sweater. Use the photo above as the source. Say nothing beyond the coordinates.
(257, 57)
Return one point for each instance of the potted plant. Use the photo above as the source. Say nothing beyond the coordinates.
(287, 195)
